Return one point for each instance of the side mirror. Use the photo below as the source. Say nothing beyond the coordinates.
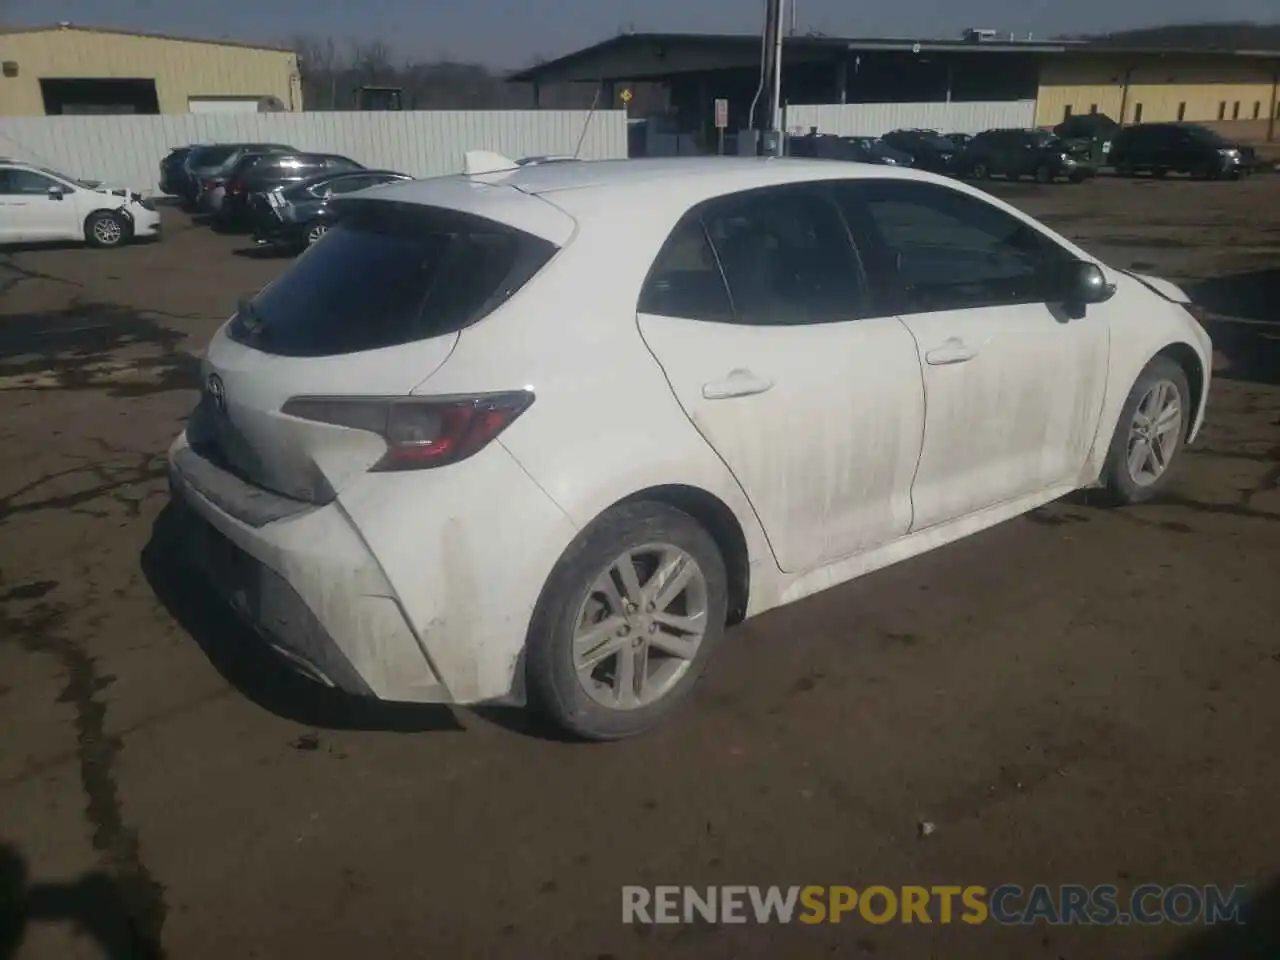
(55, 193)
(1081, 283)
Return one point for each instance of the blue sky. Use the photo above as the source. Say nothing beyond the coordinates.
(511, 32)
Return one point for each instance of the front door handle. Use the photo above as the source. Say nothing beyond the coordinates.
(739, 383)
(954, 350)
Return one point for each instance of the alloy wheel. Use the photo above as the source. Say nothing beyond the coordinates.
(640, 627)
(1154, 433)
(107, 231)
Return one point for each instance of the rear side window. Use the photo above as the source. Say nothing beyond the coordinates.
(786, 256)
(685, 280)
(389, 274)
(211, 156)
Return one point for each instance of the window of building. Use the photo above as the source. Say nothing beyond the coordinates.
(1235, 110)
(1093, 109)
(1066, 113)
(1182, 112)
(1257, 109)
(1137, 113)
(1222, 109)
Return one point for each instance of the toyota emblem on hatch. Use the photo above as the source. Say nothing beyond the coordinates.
(217, 392)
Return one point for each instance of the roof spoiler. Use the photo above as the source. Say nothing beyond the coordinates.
(477, 162)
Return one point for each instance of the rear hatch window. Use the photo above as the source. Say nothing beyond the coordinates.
(388, 274)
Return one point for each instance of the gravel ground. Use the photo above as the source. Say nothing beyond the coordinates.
(1078, 696)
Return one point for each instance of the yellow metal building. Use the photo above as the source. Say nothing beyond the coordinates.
(1150, 87)
(67, 69)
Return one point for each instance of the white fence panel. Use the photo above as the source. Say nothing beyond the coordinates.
(876, 119)
(127, 150)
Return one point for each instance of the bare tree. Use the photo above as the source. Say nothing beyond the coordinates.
(331, 79)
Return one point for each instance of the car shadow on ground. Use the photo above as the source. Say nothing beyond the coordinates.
(1257, 937)
(244, 661)
(94, 904)
(1244, 322)
(263, 252)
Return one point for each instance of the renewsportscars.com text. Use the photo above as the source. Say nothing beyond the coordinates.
(1008, 904)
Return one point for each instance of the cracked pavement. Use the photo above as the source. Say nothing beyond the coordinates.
(1078, 696)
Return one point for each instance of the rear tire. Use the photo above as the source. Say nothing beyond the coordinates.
(627, 622)
(1154, 418)
(106, 229)
(1044, 174)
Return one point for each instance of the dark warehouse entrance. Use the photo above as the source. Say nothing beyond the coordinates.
(91, 96)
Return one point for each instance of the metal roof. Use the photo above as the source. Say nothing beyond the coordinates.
(811, 44)
(110, 31)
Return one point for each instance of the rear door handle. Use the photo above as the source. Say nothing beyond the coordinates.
(954, 350)
(739, 383)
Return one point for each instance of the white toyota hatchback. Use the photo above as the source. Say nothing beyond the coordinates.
(535, 435)
(39, 205)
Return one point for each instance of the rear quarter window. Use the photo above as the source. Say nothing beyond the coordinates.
(389, 274)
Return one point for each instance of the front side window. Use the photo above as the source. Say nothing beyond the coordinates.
(26, 183)
(937, 249)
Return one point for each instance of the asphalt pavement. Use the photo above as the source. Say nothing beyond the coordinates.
(1079, 696)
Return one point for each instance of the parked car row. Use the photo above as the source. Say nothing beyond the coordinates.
(275, 190)
(281, 194)
(1075, 150)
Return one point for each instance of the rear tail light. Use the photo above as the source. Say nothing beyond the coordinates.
(235, 186)
(420, 433)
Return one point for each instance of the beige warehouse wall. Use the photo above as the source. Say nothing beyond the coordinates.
(180, 68)
(1206, 86)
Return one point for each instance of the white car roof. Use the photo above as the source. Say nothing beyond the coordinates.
(654, 187)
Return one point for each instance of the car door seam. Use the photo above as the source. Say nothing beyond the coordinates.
(671, 387)
(924, 420)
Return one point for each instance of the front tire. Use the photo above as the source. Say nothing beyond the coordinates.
(106, 229)
(626, 622)
(1149, 434)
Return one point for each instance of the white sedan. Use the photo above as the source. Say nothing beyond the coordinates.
(38, 205)
(536, 434)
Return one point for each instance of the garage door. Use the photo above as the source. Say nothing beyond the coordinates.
(223, 104)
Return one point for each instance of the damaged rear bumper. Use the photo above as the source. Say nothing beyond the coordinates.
(306, 583)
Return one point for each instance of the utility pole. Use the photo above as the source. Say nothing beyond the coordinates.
(774, 33)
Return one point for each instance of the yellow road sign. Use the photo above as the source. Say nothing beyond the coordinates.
(626, 96)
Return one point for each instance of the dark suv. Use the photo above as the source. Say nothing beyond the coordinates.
(1021, 153)
(1161, 148)
(928, 150)
(262, 173)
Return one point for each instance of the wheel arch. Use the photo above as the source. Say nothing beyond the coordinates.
(1185, 356)
(719, 520)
